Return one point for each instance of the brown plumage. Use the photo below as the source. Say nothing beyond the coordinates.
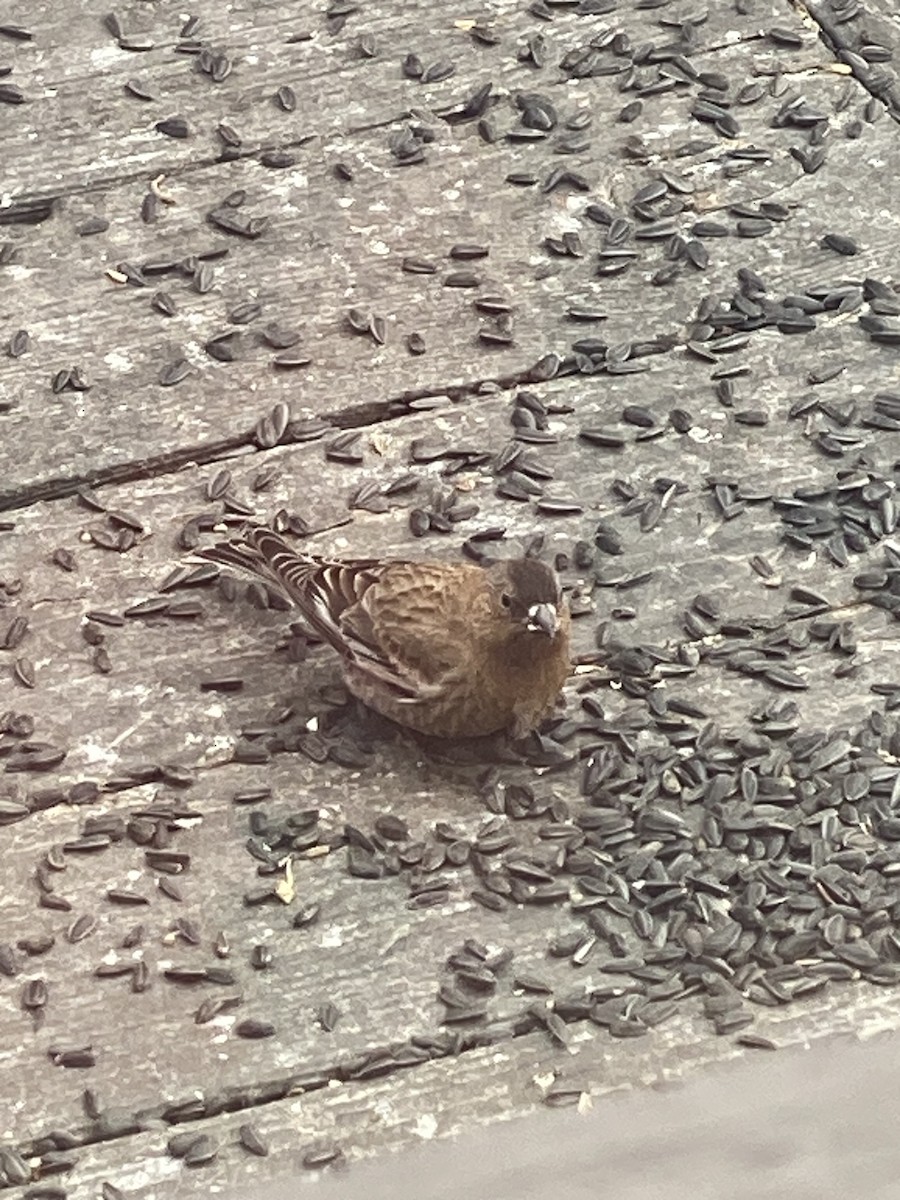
(449, 649)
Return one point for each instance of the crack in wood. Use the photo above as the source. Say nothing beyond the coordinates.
(27, 212)
(60, 487)
(43, 204)
(867, 76)
(376, 1063)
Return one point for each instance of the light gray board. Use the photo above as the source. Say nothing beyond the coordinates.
(73, 75)
(817, 1114)
(105, 720)
(333, 246)
(78, 703)
(804, 1122)
(874, 26)
(142, 710)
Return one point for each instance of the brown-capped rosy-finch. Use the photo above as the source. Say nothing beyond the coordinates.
(448, 649)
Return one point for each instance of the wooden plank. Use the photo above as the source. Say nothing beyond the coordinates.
(488, 1124)
(347, 242)
(699, 542)
(74, 78)
(873, 27)
(140, 713)
(139, 732)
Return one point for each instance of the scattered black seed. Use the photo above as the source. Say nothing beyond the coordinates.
(136, 44)
(35, 946)
(135, 88)
(307, 915)
(278, 160)
(79, 1057)
(609, 439)
(201, 1151)
(120, 896)
(785, 38)
(174, 127)
(286, 98)
(467, 251)
(755, 1041)
(840, 244)
(34, 994)
(169, 888)
(15, 633)
(174, 372)
(251, 1028)
(322, 1156)
(462, 279)
(328, 1016)
(81, 928)
(23, 672)
(253, 1141)
(261, 957)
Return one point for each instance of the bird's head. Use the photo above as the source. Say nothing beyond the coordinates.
(527, 593)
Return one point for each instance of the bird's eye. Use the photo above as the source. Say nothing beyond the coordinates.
(506, 600)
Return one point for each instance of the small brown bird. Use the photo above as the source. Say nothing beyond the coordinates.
(448, 649)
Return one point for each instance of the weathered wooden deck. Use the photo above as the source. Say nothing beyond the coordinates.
(394, 310)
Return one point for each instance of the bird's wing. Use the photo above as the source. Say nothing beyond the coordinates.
(392, 620)
(321, 588)
(410, 630)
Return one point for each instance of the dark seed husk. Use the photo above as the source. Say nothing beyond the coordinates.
(174, 127)
(252, 1141)
(174, 372)
(201, 1151)
(286, 98)
(328, 1016)
(251, 1028)
(18, 344)
(307, 915)
(120, 896)
(840, 243)
(322, 1156)
(81, 928)
(34, 994)
(23, 672)
(79, 1058)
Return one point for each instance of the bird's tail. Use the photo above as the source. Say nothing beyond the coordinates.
(262, 553)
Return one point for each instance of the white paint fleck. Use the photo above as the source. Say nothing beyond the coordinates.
(98, 754)
(105, 57)
(699, 435)
(426, 1125)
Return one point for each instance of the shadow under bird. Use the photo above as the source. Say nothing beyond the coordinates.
(447, 649)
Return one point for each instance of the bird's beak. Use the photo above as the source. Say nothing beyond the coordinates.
(543, 618)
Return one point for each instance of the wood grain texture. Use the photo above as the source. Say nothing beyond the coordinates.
(333, 245)
(139, 728)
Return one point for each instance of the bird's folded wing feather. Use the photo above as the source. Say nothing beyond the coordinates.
(320, 588)
(387, 618)
(407, 629)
